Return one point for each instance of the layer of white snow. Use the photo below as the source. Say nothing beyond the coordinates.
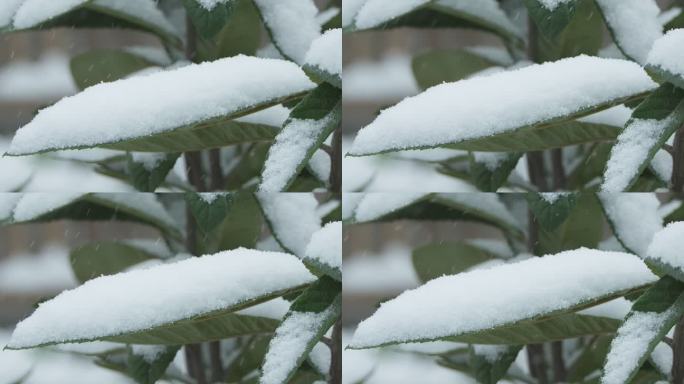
(145, 204)
(145, 11)
(662, 165)
(211, 4)
(388, 272)
(487, 203)
(293, 25)
(34, 12)
(614, 309)
(349, 10)
(44, 272)
(623, 15)
(616, 116)
(630, 151)
(666, 53)
(326, 52)
(18, 79)
(553, 4)
(376, 12)
(505, 294)
(388, 79)
(486, 106)
(326, 245)
(147, 105)
(274, 116)
(292, 217)
(634, 217)
(290, 341)
(142, 299)
(34, 205)
(377, 204)
(667, 244)
(7, 10)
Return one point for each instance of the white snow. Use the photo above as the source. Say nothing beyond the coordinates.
(614, 309)
(491, 353)
(146, 298)
(34, 12)
(487, 203)
(326, 52)
(293, 25)
(149, 353)
(616, 116)
(667, 244)
(491, 160)
(290, 149)
(44, 272)
(319, 165)
(377, 204)
(18, 78)
(486, 10)
(404, 368)
(382, 274)
(292, 217)
(149, 161)
(326, 245)
(7, 203)
(662, 358)
(666, 53)
(376, 12)
(272, 309)
(553, 4)
(68, 368)
(145, 11)
(631, 150)
(500, 103)
(210, 197)
(388, 79)
(144, 203)
(7, 10)
(274, 116)
(669, 14)
(349, 203)
(34, 205)
(290, 341)
(505, 294)
(349, 10)
(662, 166)
(211, 4)
(320, 358)
(631, 343)
(623, 15)
(160, 102)
(634, 217)
(552, 197)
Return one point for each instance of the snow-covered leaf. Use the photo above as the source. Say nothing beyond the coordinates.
(665, 59)
(634, 219)
(622, 15)
(147, 171)
(324, 251)
(324, 59)
(449, 258)
(505, 296)
(490, 170)
(435, 67)
(551, 16)
(209, 209)
(141, 207)
(147, 363)
(551, 209)
(310, 316)
(651, 125)
(483, 15)
(105, 65)
(307, 127)
(468, 110)
(192, 98)
(664, 251)
(292, 219)
(188, 301)
(377, 205)
(136, 14)
(491, 362)
(106, 258)
(653, 315)
(292, 25)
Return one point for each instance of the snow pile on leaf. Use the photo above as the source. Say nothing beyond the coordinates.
(211, 4)
(667, 244)
(484, 299)
(142, 299)
(553, 4)
(326, 245)
(376, 12)
(623, 15)
(667, 53)
(292, 218)
(326, 52)
(160, 102)
(377, 204)
(503, 102)
(634, 218)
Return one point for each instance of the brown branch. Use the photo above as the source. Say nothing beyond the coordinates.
(678, 162)
(336, 354)
(336, 162)
(215, 170)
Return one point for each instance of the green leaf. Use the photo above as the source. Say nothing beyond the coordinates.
(241, 225)
(248, 167)
(666, 105)
(551, 209)
(147, 370)
(490, 372)
(582, 35)
(322, 109)
(104, 15)
(209, 209)
(651, 318)
(591, 166)
(208, 22)
(148, 171)
(106, 258)
(105, 65)
(450, 15)
(439, 259)
(317, 308)
(436, 67)
(490, 177)
(551, 22)
(240, 33)
(540, 138)
(583, 227)
(250, 359)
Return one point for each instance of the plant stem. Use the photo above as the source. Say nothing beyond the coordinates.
(336, 162)
(215, 359)
(193, 166)
(678, 353)
(215, 171)
(558, 169)
(535, 352)
(193, 359)
(336, 354)
(535, 167)
(559, 371)
(678, 161)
